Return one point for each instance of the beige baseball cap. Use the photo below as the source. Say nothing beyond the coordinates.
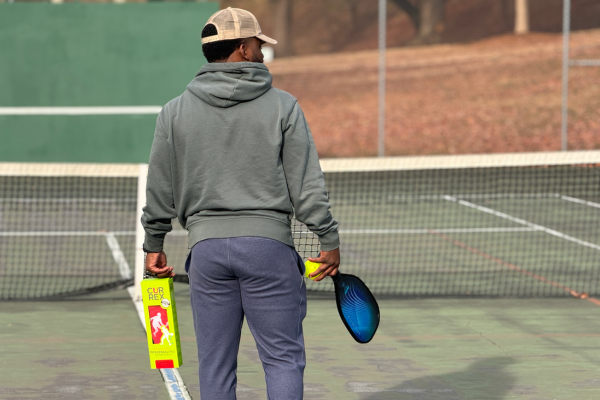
(235, 23)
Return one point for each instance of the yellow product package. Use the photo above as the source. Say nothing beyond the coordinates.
(162, 331)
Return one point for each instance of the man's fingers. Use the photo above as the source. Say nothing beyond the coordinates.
(319, 270)
(326, 272)
(163, 272)
(167, 274)
(319, 260)
(158, 270)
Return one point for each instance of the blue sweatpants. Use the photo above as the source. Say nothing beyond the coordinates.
(260, 279)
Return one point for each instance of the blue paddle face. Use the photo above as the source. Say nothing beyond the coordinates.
(357, 307)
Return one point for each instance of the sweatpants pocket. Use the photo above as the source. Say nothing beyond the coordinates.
(300, 262)
(188, 260)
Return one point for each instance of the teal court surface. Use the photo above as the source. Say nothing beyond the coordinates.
(447, 349)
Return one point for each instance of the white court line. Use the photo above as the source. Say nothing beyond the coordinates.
(67, 201)
(476, 196)
(121, 110)
(173, 381)
(111, 241)
(419, 231)
(118, 256)
(343, 232)
(80, 233)
(523, 222)
(391, 197)
(579, 201)
(66, 233)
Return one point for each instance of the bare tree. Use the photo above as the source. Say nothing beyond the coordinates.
(521, 17)
(427, 17)
(283, 27)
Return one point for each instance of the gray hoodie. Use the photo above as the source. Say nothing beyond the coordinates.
(233, 156)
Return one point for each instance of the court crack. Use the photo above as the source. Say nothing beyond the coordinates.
(488, 339)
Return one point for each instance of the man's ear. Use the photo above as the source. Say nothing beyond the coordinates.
(244, 52)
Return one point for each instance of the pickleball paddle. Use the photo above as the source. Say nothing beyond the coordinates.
(357, 307)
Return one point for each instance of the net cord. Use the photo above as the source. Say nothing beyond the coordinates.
(460, 161)
(331, 165)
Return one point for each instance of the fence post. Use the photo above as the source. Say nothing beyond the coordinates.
(382, 46)
(565, 73)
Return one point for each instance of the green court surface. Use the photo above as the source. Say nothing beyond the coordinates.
(425, 349)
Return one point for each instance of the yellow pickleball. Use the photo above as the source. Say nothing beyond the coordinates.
(311, 267)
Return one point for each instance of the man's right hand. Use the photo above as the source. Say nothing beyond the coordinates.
(330, 262)
(156, 263)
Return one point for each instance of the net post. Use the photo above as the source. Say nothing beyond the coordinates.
(382, 47)
(139, 232)
(565, 73)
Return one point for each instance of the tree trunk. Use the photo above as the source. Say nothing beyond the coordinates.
(427, 17)
(353, 9)
(283, 28)
(431, 23)
(411, 10)
(521, 17)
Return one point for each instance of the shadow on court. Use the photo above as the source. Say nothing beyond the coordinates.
(484, 379)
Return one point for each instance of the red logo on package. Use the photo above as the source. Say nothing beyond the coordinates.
(158, 319)
(164, 363)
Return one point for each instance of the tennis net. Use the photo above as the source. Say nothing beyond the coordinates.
(478, 225)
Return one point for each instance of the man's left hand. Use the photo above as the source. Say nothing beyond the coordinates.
(156, 263)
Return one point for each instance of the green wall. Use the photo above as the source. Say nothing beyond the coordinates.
(93, 55)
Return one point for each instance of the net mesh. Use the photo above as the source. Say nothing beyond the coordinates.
(464, 230)
(226, 24)
(248, 26)
(65, 234)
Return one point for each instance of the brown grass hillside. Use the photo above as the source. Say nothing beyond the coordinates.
(323, 26)
(495, 95)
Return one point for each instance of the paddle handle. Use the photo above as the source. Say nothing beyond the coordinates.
(336, 277)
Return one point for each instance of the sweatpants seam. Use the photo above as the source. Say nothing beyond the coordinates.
(299, 315)
(299, 325)
(228, 256)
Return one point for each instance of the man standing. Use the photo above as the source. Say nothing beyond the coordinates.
(233, 159)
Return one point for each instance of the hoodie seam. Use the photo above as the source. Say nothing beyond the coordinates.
(290, 114)
(171, 142)
(234, 88)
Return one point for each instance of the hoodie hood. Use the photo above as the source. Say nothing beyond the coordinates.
(228, 84)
